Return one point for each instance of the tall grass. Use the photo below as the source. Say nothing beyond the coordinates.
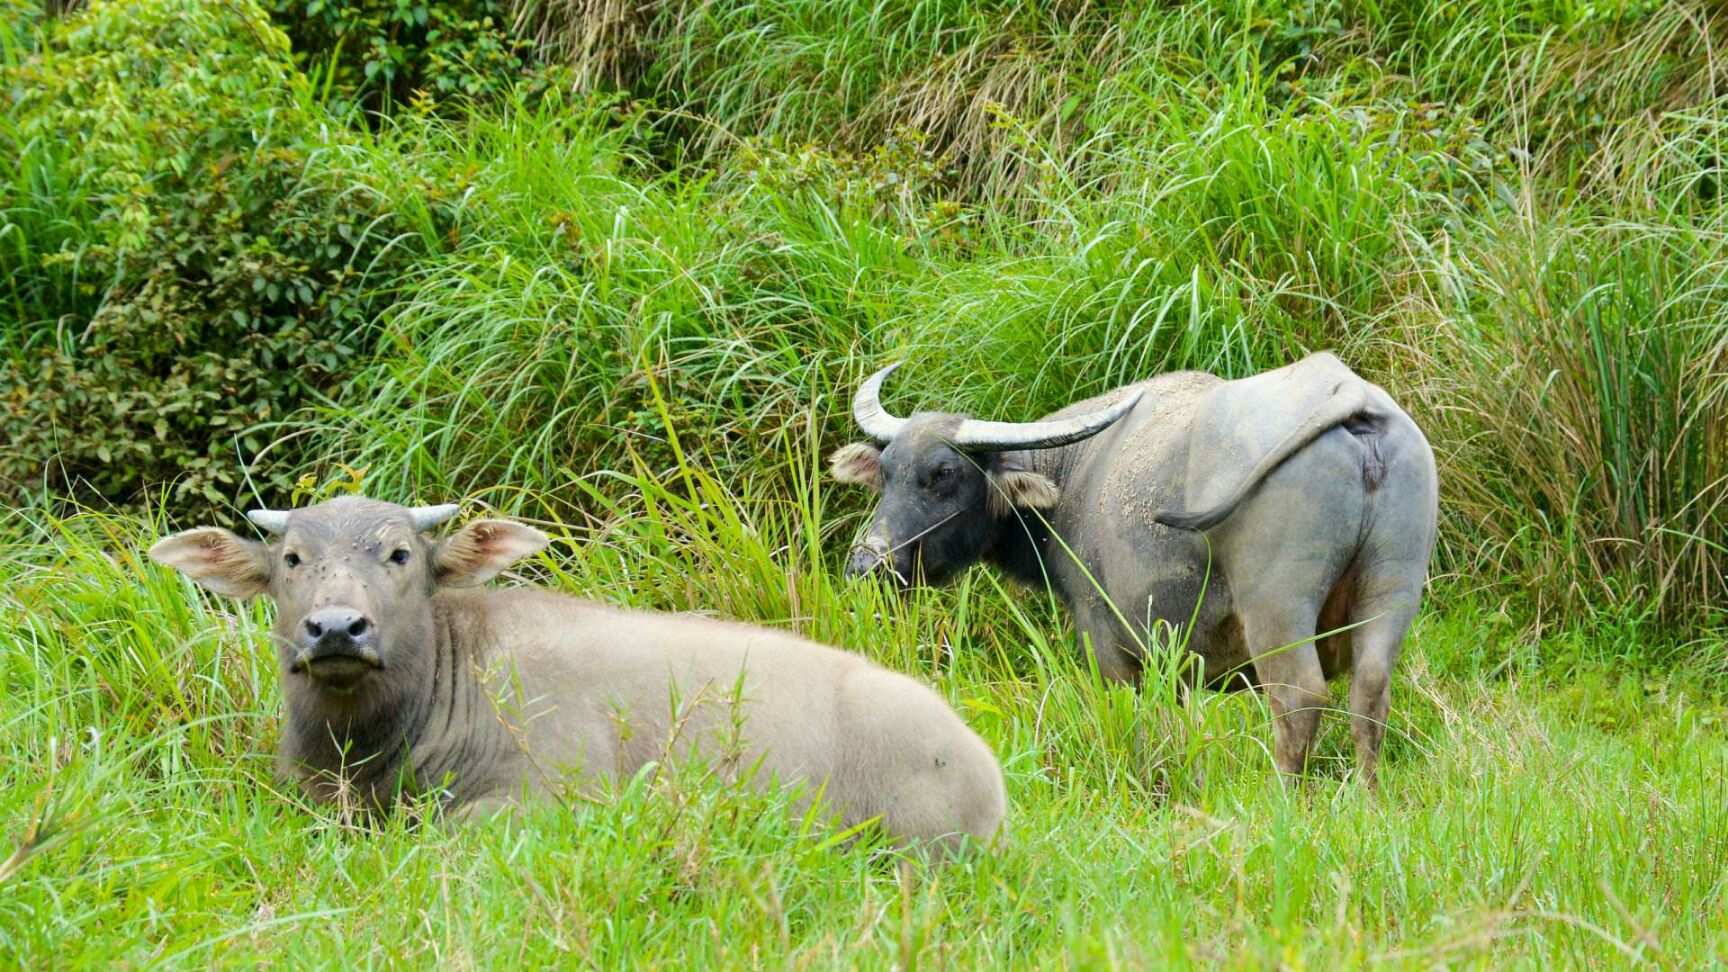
(1097, 194)
(1557, 78)
(581, 316)
(1585, 398)
(577, 304)
(145, 825)
(573, 283)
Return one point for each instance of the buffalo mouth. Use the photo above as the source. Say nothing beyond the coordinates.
(866, 559)
(900, 573)
(873, 560)
(339, 666)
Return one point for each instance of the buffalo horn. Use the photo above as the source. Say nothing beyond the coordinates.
(867, 408)
(1002, 436)
(427, 517)
(275, 521)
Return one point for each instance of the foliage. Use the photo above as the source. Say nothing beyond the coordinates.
(377, 55)
(1233, 187)
(578, 309)
(1227, 185)
(183, 271)
(1077, 75)
(1584, 398)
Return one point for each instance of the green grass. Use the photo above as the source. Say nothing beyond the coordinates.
(634, 310)
(1518, 823)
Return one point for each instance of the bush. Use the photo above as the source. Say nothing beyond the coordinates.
(185, 269)
(377, 54)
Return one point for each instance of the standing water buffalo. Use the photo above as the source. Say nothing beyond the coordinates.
(399, 682)
(1255, 515)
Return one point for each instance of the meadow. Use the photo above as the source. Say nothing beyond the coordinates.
(616, 269)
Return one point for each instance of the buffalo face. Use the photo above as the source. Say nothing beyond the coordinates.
(934, 518)
(352, 580)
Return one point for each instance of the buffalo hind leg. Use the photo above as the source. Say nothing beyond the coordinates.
(1376, 644)
(1288, 669)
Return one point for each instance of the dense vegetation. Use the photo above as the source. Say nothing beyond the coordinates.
(617, 267)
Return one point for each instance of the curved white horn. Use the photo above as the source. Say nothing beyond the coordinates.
(867, 408)
(1002, 436)
(427, 517)
(274, 521)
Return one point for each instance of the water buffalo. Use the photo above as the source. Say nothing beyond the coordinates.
(1253, 515)
(400, 681)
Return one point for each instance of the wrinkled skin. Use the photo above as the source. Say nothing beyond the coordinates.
(1257, 517)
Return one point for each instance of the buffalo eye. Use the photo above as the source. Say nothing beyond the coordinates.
(291, 558)
(938, 476)
(399, 557)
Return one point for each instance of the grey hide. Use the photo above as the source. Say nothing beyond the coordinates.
(398, 680)
(1312, 492)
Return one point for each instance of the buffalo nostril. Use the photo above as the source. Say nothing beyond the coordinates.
(864, 561)
(337, 624)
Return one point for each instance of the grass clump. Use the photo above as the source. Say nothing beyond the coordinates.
(1585, 394)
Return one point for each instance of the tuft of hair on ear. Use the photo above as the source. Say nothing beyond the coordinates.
(858, 464)
(481, 549)
(1022, 489)
(217, 560)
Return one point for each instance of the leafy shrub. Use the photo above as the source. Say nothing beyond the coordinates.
(210, 281)
(376, 54)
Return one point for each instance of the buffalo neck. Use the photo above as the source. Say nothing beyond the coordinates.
(1018, 547)
(404, 735)
(1024, 545)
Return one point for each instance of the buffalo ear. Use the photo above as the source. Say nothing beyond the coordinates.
(482, 549)
(1013, 488)
(858, 464)
(218, 560)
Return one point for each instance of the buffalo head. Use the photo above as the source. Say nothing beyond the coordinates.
(352, 579)
(948, 482)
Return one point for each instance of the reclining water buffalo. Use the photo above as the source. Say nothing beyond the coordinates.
(1253, 515)
(400, 682)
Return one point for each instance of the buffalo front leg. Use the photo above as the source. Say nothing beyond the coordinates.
(1288, 668)
(1115, 663)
